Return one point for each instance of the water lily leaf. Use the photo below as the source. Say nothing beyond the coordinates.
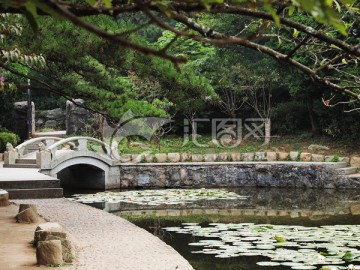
(268, 263)
(279, 238)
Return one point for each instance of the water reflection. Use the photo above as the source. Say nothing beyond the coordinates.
(309, 207)
(312, 203)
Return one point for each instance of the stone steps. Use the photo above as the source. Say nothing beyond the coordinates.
(28, 186)
(346, 170)
(35, 193)
(34, 147)
(25, 161)
(24, 166)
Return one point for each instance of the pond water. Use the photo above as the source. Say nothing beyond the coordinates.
(290, 227)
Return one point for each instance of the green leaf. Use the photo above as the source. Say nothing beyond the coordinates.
(31, 7)
(91, 2)
(31, 14)
(348, 2)
(272, 11)
(348, 256)
(338, 7)
(291, 10)
(307, 5)
(296, 33)
(341, 28)
(344, 61)
(279, 238)
(107, 3)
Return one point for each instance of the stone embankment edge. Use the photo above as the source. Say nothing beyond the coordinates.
(237, 156)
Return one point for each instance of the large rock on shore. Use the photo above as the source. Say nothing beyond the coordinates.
(49, 253)
(53, 231)
(28, 215)
(4, 198)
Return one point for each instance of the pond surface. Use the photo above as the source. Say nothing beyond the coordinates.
(247, 257)
(258, 225)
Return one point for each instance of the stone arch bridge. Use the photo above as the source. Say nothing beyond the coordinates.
(81, 162)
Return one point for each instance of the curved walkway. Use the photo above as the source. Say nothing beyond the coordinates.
(107, 242)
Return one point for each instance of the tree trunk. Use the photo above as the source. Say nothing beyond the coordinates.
(193, 129)
(267, 131)
(315, 130)
(235, 128)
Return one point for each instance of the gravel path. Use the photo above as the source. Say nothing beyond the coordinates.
(104, 241)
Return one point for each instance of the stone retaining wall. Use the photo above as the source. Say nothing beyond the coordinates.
(234, 174)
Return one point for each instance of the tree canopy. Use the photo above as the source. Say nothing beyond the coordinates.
(320, 37)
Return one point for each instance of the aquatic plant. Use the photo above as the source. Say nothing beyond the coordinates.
(159, 196)
(299, 247)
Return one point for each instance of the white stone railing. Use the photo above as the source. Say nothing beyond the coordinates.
(81, 144)
(48, 141)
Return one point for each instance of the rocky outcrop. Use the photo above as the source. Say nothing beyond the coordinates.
(76, 117)
(20, 125)
(52, 119)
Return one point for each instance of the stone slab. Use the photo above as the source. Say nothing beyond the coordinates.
(355, 162)
(294, 155)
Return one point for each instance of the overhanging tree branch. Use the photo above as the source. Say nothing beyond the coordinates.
(114, 38)
(224, 39)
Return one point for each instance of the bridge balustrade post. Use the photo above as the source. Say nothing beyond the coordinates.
(43, 159)
(82, 144)
(10, 157)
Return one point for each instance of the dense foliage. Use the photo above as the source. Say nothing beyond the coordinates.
(8, 137)
(315, 38)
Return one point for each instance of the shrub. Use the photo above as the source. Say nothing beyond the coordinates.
(338, 124)
(289, 118)
(6, 137)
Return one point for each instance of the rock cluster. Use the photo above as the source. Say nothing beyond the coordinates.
(236, 156)
(52, 246)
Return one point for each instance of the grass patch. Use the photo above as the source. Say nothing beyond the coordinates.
(204, 146)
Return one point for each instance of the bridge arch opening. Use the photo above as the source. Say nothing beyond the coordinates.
(82, 176)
